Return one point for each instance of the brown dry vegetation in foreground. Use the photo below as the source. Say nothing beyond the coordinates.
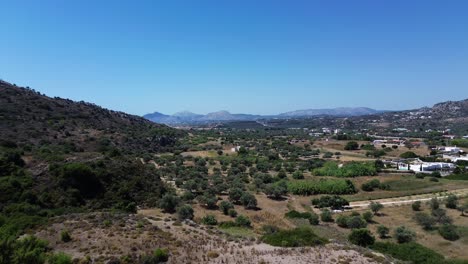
(104, 236)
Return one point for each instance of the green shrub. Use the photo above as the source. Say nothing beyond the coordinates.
(408, 155)
(298, 237)
(361, 237)
(161, 254)
(225, 206)
(434, 203)
(404, 234)
(60, 258)
(65, 236)
(416, 206)
(355, 222)
(451, 201)
(342, 221)
(326, 216)
(227, 224)
(243, 221)
(232, 213)
(248, 200)
(298, 175)
(28, 249)
(371, 185)
(185, 212)
(107, 223)
(169, 202)
(383, 231)
(351, 145)
(209, 220)
(312, 217)
(375, 207)
(367, 216)
(277, 190)
(426, 221)
(449, 232)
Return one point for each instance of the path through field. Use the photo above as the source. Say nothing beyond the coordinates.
(409, 199)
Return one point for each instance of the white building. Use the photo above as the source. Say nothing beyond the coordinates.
(426, 166)
(455, 158)
(235, 149)
(450, 149)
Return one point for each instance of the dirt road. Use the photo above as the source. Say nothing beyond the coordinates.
(409, 199)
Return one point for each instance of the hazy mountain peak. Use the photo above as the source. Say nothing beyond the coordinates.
(185, 113)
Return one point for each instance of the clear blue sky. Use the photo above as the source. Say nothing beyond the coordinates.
(247, 56)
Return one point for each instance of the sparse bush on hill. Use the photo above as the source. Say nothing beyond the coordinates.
(404, 234)
(383, 231)
(209, 220)
(65, 236)
(185, 212)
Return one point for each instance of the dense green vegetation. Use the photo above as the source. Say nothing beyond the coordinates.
(457, 177)
(460, 142)
(322, 186)
(361, 237)
(351, 169)
(334, 202)
(413, 252)
(298, 237)
(117, 183)
(310, 216)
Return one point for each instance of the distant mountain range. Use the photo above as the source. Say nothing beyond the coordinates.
(187, 117)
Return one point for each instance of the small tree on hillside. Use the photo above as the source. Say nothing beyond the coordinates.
(248, 200)
(224, 206)
(185, 212)
(351, 145)
(375, 207)
(169, 203)
(383, 231)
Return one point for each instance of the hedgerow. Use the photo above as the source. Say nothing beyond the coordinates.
(322, 186)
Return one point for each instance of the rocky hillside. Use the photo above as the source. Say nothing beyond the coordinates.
(28, 117)
(449, 109)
